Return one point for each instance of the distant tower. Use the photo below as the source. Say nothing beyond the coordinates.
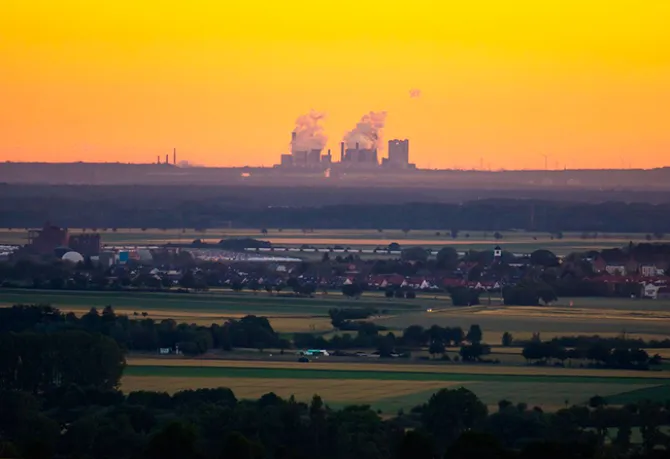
(167, 159)
(174, 156)
(398, 152)
(158, 161)
(342, 152)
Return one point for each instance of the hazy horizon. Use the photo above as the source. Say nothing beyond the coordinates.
(470, 85)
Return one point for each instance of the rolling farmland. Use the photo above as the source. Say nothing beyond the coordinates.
(390, 387)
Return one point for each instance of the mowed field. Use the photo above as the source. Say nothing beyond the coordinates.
(515, 241)
(390, 387)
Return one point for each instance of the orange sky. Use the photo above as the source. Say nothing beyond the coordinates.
(503, 82)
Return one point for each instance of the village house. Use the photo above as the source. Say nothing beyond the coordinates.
(651, 270)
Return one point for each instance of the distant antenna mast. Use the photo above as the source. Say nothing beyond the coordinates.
(546, 159)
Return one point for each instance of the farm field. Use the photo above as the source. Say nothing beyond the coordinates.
(604, 316)
(390, 387)
(286, 313)
(515, 241)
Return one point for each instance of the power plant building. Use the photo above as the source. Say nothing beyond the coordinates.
(398, 153)
(360, 156)
(356, 157)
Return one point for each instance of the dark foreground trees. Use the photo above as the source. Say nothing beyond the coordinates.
(36, 362)
(213, 424)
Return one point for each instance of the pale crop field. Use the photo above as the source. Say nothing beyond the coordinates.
(457, 369)
(334, 390)
(388, 396)
(282, 323)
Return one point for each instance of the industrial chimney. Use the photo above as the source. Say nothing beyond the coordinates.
(167, 159)
(158, 161)
(342, 152)
(174, 156)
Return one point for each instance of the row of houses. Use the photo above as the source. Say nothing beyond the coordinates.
(628, 266)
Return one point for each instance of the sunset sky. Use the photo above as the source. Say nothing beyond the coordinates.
(585, 82)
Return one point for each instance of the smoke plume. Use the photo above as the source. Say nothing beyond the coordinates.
(368, 131)
(309, 134)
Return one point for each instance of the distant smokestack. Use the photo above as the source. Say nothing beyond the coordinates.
(158, 161)
(167, 159)
(329, 152)
(356, 146)
(174, 156)
(341, 151)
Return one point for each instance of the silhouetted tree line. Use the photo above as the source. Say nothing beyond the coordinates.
(145, 334)
(529, 293)
(90, 422)
(464, 296)
(80, 209)
(597, 354)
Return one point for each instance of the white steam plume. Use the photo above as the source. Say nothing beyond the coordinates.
(309, 134)
(368, 132)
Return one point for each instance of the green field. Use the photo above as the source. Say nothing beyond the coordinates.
(661, 393)
(514, 241)
(390, 391)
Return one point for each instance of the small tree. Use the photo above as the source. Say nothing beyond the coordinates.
(352, 290)
(497, 235)
(435, 348)
(475, 334)
(507, 339)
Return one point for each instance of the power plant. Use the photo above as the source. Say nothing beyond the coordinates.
(359, 149)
